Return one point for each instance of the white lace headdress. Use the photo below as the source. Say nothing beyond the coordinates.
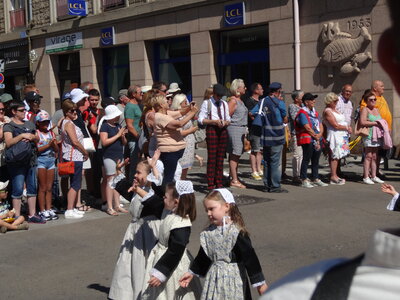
(184, 187)
(227, 195)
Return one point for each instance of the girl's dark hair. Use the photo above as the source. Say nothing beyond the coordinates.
(234, 212)
(367, 95)
(187, 203)
(14, 105)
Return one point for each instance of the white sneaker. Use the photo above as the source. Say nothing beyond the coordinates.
(70, 214)
(318, 182)
(307, 184)
(368, 180)
(123, 200)
(78, 212)
(377, 180)
(45, 215)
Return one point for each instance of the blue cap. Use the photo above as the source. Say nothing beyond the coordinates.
(66, 96)
(275, 86)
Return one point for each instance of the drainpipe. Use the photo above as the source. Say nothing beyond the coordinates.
(296, 44)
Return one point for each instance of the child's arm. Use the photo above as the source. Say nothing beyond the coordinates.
(394, 204)
(245, 253)
(199, 267)
(155, 175)
(164, 267)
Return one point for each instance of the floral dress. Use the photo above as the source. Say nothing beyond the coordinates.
(338, 139)
(225, 256)
(188, 155)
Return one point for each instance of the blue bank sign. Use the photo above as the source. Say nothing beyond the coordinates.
(234, 14)
(107, 37)
(77, 8)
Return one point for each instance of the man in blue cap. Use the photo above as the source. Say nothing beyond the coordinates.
(273, 136)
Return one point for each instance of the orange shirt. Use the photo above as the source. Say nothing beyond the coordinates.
(383, 108)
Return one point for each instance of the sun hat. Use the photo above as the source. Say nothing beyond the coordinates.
(122, 93)
(42, 116)
(111, 112)
(146, 88)
(6, 97)
(173, 87)
(3, 185)
(77, 95)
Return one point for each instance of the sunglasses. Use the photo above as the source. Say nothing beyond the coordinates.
(3, 191)
(164, 91)
(72, 111)
(21, 110)
(2, 109)
(372, 99)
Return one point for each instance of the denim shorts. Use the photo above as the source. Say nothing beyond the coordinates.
(20, 175)
(46, 162)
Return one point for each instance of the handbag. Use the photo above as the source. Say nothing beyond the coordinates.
(258, 122)
(66, 167)
(88, 143)
(360, 131)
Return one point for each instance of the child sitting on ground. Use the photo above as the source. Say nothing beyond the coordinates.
(8, 219)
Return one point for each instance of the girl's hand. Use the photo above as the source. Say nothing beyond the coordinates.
(186, 279)
(154, 281)
(134, 186)
(121, 164)
(262, 289)
(388, 189)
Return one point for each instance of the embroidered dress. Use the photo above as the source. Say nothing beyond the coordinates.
(188, 155)
(338, 139)
(368, 142)
(140, 238)
(170, 289)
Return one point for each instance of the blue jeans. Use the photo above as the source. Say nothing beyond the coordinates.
(309, 153)
(20, 175)
(272, 166)
(170, 161)
(133, 153)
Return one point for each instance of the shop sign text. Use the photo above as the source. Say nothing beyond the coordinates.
(64, 42)
(77, 8)
(107, 37)
(234, 14)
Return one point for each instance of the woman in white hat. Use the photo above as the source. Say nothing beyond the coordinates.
(113, 139)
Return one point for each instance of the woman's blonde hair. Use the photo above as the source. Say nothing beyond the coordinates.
(177, 101)
(67, 105)
(157, 101)
(330, 97)
(208, 93)
(236, 83)
(234, 212)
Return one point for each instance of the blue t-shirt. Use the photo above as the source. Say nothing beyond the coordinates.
(114, 151)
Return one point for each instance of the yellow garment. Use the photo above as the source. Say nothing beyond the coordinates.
(383, 108)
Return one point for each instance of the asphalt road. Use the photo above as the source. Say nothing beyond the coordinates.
(74, 259)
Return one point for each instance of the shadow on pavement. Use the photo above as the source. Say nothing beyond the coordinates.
(98, 287)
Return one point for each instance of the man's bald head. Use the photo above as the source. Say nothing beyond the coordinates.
(377, 87)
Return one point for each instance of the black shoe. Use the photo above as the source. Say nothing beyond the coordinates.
(278, 190)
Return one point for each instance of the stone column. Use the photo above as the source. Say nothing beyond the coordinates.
(88, 67)
(140, 64)
(202, 63)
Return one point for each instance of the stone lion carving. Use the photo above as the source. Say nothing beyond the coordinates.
(342, 51)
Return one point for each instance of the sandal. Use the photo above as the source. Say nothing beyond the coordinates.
(122, 210)
(237, 184)
(111, 212)
(84, 207)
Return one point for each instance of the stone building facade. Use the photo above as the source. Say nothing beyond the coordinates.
(188, 41)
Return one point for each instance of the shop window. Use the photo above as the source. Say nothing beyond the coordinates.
(116, 70)
(17, 14)
(69, 71)
(172, 62)
(244, 53)
(112, 4)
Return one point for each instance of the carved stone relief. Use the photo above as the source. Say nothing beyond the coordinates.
(341, 50)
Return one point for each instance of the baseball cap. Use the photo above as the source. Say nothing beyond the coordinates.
(123, 92)
(5, 98)
(66, 96)
(32, 97)
(309, 96)
(219, 89)
(42, 116)
(275, 86)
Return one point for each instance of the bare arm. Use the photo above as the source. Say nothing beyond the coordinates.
(363, 119)
(10, 140)
(131, 128)
(189, 131)
(310, 131)
(175, 124)
(106, 141)
(232, 106)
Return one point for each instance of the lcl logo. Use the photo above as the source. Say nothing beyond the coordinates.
(75, 5)
(233, 13)
(106, 35)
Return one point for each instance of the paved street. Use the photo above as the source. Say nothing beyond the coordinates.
(74, 259)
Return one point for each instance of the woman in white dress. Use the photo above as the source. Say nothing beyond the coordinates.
(338, 132)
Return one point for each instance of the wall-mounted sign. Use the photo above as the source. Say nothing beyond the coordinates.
(2, 65)
(1, 78)
(107, 37)
(77, 8)
(234, 14)
(65, 42)
(14, 55)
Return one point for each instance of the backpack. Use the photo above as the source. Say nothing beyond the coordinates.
(20, 153)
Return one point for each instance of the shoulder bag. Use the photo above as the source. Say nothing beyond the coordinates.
(67, 167)
(360, 131)
(258, 121)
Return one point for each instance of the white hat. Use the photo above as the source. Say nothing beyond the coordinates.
(227, 195)
(112, 112)
(3, 185)
(77, 95)
(145, 88)
(173, 87)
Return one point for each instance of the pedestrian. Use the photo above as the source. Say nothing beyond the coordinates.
(236, 130)
(226, 256)
(21, 159)
(309, 130)
(47, 152)
(3, 120)
(214, 114)
(170, 259)
(141, 235)
(113, 139)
